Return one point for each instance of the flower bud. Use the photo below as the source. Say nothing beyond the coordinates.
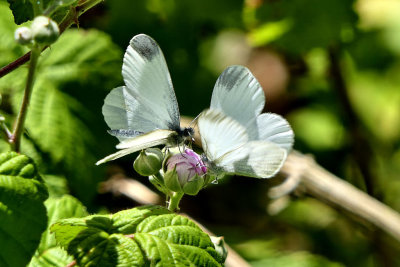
(185, 172)
(149, 162)
(44, 30)
(220, 248)
(23, 35)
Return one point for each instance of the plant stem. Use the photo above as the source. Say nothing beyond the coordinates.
(72, 263)
(70, 18)
(174, 201)
(15, 139)
(4, 128)
(362, 150)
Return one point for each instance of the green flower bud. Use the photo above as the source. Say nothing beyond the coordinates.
(220, 248)
(23, 35)
(44, 30)
(149, 162)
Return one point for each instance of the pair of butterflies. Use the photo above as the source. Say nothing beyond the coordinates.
(236, 137)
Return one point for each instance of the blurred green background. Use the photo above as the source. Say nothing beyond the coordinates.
(330, 67)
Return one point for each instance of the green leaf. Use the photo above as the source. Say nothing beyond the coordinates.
(148, 235)
(56, 185)
(23, 9)
(48, 253)
(310, 24)
(60, 121)
(53, 257)
(22, 211)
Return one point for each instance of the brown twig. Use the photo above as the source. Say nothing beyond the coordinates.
(69, 19)
(325, 186)
(15, 139)
(119, 184)
(72, 263)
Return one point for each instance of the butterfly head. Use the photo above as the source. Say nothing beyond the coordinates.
(187, 134)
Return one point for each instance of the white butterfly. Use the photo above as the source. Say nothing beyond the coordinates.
(144, 112)
(236, 138)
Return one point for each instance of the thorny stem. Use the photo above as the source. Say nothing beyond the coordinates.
(15, 139)
(174, 201)
(70, 18)
(72, 263)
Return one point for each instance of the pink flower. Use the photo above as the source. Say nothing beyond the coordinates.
(187, 166)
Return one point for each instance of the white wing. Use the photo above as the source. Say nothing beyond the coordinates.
(219, 133)
(122, 111)
(239, 95)
(154, 138)
(228, 150)
(149, 137)
(259, 159)
(275, 129)
(148, 101)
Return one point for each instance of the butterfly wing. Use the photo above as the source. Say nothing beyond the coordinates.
(219, 133)
(147, 101)
(259, 159)
(275, 129)
(238, 94)
(225, 142)
(154, 138)
(167, 135)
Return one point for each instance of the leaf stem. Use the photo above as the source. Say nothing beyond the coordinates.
(5, 128)
(174, 201)
(15, 139)
(69, 19)
(362, 149)
(72, 263)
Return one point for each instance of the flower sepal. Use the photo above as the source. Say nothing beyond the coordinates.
(171, 180)
(193, 186)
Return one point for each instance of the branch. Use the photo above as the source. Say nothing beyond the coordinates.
(15, 139)
(69, 19)
(119, 184)
(71, 264)
(325, 186)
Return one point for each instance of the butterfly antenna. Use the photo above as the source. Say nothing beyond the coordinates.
(194, 121)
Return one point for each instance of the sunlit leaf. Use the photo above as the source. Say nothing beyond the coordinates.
(72, 70)
(48, 253)
(22, 212)
(148, 235)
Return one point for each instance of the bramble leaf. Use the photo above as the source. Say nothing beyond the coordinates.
(61, 122)
(22, 212)
(23, 9)
(143, 236)
(48, 253)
